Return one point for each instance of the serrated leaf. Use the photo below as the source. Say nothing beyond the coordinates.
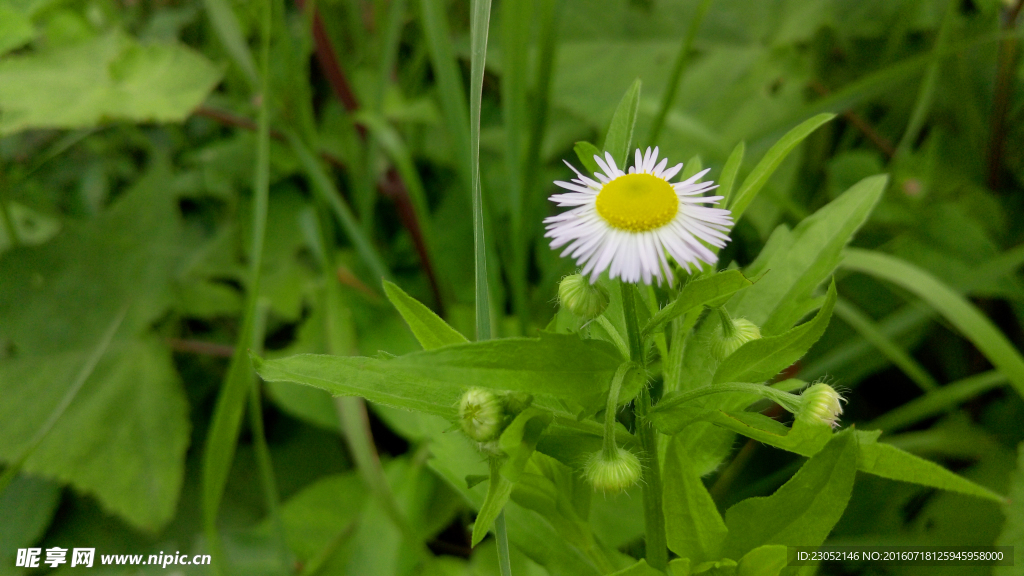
(110, 77)
(586, 151)
(620, 132)
(770, 162)
(562, 366)
(698, 293)
(430, 330)
(693, 527)
(795, 263)
(761, 359)
(803, 511)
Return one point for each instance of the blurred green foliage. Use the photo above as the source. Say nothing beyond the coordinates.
(127, 156)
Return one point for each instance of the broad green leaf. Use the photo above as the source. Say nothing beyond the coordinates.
(431, 331)
(761, 359)
(698, 293)
(111, 77)
(15, 29)
(641, 568)
(770, 162)
(322, 511)
(803, 511)
(132, 461)
(795, 263)
(955, 308)
(27, 507)
(563, 366)
(620, 132)
(1013, 530)
(586, 151)
(693, 527)
(766, 560)
(679, 567)
(499, 489)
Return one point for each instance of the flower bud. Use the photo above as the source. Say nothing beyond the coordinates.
(481, 414)
(579, 296)
(731, 336)
(613, 474)
(820, 403)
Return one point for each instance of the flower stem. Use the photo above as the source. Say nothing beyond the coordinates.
(610, 447)
(654, 515)
(502, 538)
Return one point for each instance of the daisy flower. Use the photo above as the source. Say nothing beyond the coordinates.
(626, 222)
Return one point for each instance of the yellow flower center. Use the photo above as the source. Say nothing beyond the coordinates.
(637, 202)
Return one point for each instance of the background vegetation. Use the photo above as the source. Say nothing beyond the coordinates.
(146, 146)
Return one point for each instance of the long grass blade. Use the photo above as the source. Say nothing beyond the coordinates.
(223, 434)
(478, 43)
(516, 18)
(926, 93)
(678, 68)
(974, 325)
(937, 401)
(867, 328)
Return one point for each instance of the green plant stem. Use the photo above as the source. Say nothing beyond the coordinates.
(654, 514)
(677, 71)
(501, 535)
(610, 447)
(790, 402)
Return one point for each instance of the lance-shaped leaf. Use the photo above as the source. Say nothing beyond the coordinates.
(428, 328)
(498, 492)
(761, 359)
(804, 510)
(586, 151)
(519, 440)
(620, 132)
(698, 293)
(559, 365)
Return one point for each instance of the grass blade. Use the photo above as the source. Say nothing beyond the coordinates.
(515, 35)
(951, 305)
(225, 24)
(478, 41)
(449, 85)
(727, 180)
(937, 401)
(223, 434)
(867, 328)
(767, 166)
(926, 94)
(682, 59)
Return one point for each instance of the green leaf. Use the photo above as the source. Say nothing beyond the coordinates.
(803, 511)
(761, 359)
(766, 560)
(620, 132)
(27, 507)
(111, 77)
(641, 568)
(131, 460)
(499, 489)
(729, 172)
(693, 526)
(225, 24)
(955, 308)
(795, 263)
(888, 461)
(698, 293)
(432, 381)
(430, 330)
(586, 151)
(1013, 530)
(519, 440)
(770, 162)
(15, 29)
(937, 401)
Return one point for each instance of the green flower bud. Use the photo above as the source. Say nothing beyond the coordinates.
(614, 474)
(481, 414)
(579, 296)
(820, 403)
(730, 336)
